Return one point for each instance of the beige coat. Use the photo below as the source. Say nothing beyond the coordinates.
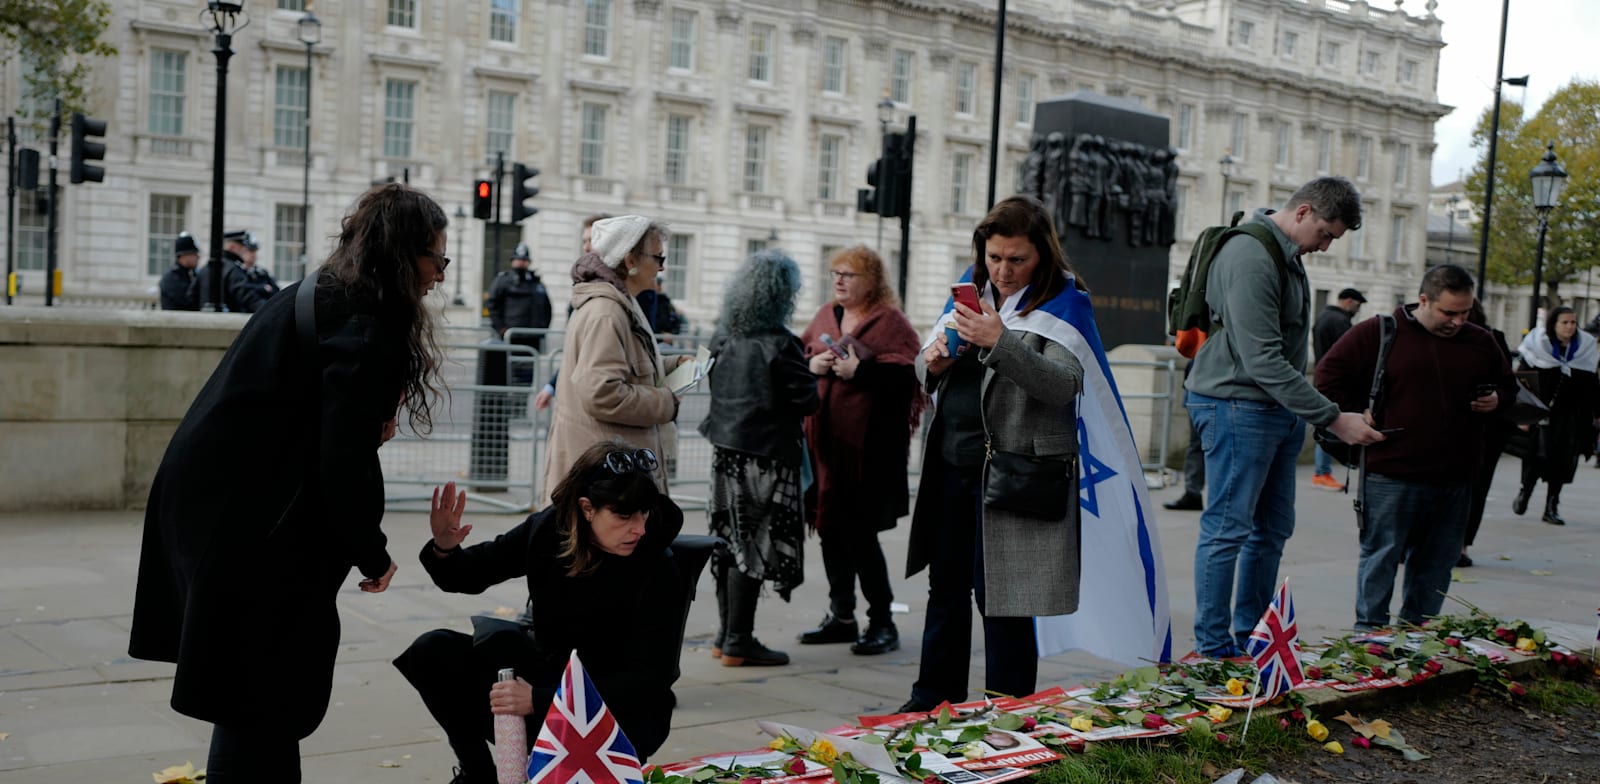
(611, 384)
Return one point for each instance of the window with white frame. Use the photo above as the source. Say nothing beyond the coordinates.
(1289, 45)
(830, 156)
(597, 28)
(1402, 163)
(399, 117)
(1357, 240)
(1181, 210)
(1324, 151)
(592, 140)
(1397, 237)
(503, 20)
(676, 284)
(1027, 85)
(762, 37)
(33, 236)
(168, 86)
(165, 219)
(1185, 126)
(900, 76)
(1240, 136)
(835, 50)
(1331, 52)
(680, 55)
(1280, 154)
(1244, 33)
(1364, 158)
(1235, 201)
(676, 169)
(500, 125)
(1370, 61)
(402, 13)
(960, 181)
(966, 88)
(288, 232)
(289, 107)
(754, 246)
(1408, 71)
(755, 158)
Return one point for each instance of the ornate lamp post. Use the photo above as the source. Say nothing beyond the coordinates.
(224, 23)
(1226, 165)
(1548, 181)
(310, 28)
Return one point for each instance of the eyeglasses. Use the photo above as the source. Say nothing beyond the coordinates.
(641, 460)
(444, 261)
(842, 275)
(661, 258)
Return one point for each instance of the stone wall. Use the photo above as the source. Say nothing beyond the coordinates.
(89, 399)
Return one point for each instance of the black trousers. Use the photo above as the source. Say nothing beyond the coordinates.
(955, 578)
(241, 756)
(850, 549)
(454, 679)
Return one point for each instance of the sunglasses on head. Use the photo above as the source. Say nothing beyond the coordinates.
(621, 462)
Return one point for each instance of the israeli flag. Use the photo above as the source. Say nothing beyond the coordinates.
(1122, 612)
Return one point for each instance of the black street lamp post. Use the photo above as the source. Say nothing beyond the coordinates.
(1548, 181)
(1450, 239)
(310, 34)
(224, 23)
(1226, 165)
(885, 116)
(461, 231)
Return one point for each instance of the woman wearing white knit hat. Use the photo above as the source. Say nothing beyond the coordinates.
(612, 380)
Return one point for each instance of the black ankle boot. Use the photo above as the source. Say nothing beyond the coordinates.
(1551, 515)
(877, 639)
(1519, 504)
(832, 629)
(740, 648)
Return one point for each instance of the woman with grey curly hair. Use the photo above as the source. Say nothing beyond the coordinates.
(761, 390)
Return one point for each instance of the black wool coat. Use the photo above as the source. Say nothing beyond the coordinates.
(269, 492)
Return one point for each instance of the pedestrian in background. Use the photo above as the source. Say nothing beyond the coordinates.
(547, 395)
(1564, 360)
(1496, 432)
(859, 440)
(240, 294)
(1331, 325)
(238, 573)
(177, 283)
(517, 299)
(760, 392)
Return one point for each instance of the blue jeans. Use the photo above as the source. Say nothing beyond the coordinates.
(1251, 449)
(1419, 524)
(1324, 462)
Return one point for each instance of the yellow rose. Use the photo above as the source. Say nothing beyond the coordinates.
(1526, 644)
(776, 744)
(1219, 713)
(1315, 729)
(1081, 723)
(1334, 747)
(1235, 686)
(823, 751)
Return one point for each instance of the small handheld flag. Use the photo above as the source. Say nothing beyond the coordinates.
(1275, 646)
(581, 741)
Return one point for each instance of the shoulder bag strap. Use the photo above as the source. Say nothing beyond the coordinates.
(1386, 334)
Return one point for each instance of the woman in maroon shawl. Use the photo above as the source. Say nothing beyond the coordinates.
(859, 439)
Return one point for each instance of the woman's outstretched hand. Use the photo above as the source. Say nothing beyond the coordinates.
(444, 516)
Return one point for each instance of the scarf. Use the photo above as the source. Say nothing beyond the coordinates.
(1583, 353)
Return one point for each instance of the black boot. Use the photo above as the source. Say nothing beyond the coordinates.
(1188, 502)
(718, 575)
(1551, 501)
(832, 629)
(740, 648)
(1520, 503)
(879, 638)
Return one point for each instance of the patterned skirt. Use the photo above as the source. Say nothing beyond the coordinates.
(755, 505)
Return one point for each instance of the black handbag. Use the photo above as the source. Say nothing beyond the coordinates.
(1529, 409)
(1030, 486)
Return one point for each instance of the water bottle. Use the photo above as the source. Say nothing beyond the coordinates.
(510, 743)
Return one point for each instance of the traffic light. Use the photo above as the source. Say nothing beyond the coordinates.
(868, 199)
(84, 150)
(894, 200)
(483, 200)
(522, 192)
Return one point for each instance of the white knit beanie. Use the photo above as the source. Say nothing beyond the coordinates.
(612, 238)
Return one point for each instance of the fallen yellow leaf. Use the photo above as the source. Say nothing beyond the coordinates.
(388, 764)
(179, 774)
(1541, 573)
(4, 735)
(1378, 727)
(505, 612)
(1334, 747)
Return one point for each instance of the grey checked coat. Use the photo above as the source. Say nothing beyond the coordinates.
(1030, 389)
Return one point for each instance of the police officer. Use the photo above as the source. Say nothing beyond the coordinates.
(177, 280)
(243, 244)
(517, 298)
(239, 295)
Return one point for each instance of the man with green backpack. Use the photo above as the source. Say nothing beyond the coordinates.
(1249, 398)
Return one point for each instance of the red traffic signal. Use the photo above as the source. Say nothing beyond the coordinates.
(483, 200)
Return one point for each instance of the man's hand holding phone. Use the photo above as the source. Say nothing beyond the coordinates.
(1486, 398)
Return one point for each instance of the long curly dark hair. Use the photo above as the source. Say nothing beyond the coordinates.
(376, 252)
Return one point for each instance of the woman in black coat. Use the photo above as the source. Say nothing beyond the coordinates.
(1565, 360)
(601, 581)
(237, 576)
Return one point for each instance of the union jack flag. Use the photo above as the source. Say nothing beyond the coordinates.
(581, 742)
(1275, 646)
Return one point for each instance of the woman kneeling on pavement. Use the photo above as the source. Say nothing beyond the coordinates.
(601, 581)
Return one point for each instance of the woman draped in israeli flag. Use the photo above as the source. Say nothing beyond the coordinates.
(1023, 395)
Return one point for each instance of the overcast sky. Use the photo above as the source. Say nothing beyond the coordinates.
(1551, 41)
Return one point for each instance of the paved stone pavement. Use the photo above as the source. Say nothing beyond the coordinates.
(75, 708)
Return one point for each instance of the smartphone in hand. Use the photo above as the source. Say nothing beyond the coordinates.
(966, 294)
(838, 350)
(1485, 390)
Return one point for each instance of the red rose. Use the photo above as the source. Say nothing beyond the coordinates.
(1557, 657)
(1516, 688)
(1377, 672)
(1505, 634)
(1283, 723)
(1297, 714)
(1433, 666)
(1153, 721)
(1222, 737)
(1362, 742)
(930, 780)
(1314, 673)
(1376, 649)
(1454, 642)
(1028, 723)
(794, 767)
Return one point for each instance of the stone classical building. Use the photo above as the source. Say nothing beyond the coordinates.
(744, 124)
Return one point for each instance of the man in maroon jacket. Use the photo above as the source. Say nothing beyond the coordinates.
(1442, 382)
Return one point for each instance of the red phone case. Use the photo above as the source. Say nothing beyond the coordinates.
(966, 294)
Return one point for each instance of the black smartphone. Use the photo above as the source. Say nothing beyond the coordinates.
(1485, 390)
(1389, 431)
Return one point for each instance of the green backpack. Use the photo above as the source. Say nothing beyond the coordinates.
(1188, 315)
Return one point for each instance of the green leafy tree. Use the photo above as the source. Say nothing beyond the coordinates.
(1571, 120)
(56, 40)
